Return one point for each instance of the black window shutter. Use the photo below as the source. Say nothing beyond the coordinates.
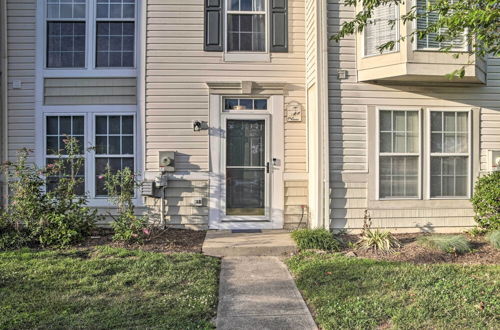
(279, 26)
(213, 26)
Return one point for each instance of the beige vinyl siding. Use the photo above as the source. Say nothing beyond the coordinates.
(349, 166)
(21, 66)
(90, 91)
(176, 72)
(296, 211)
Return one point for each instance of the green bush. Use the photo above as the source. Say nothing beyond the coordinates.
(446, 243)
(320, 239)
(58, 217)
(377, 240)
(486, 201)
(494, 238)
(121, 186)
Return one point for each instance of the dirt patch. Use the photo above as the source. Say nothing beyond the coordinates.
(164, 241)
(412, 251)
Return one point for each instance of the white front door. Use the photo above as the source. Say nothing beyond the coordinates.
(246, 182)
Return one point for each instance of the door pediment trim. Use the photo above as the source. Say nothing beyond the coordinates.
(246, 88)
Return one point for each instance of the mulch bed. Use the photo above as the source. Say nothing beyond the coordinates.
(411, 251)
(164, 241)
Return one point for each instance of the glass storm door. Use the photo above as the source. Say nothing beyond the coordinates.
(247, 168)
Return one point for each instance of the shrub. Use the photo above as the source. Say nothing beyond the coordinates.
(486, 201)
(58, 217)
(447, 243)
(320, 239)
(494, 238)
(120, 186)
(377, 240)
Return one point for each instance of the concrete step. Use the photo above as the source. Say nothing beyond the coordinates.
(224, 243)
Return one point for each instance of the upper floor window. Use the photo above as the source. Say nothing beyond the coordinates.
(91, 33)
(246, 26)
(429, 41)
(380, 31)
(66, 25)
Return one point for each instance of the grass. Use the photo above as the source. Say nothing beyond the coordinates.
(356, 293)
(108, 288)
(494, 238)
(446, 243)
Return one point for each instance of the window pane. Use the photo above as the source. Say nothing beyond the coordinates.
(436, 142)
(246, 33)
(398, 176)
(436, 121)
(245, 143)
(399, 118)
(385, 121)
(462, 121)
(66, 9)
(449, 176)
(115, 8)
(379, 31)
(114, 124)
(399, 142)
(115, 43)
(65, 45)
(449, 121)
(245, 191)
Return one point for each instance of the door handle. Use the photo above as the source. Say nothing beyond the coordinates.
(267, 167)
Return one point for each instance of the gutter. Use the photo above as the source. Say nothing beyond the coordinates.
(4, 91)
(323, 41)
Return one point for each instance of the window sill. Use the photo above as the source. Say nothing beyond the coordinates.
(247, 57)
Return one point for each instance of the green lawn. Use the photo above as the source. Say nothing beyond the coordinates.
(107, 288)
(355, 293)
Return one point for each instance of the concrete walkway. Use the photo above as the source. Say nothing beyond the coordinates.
(259, 293)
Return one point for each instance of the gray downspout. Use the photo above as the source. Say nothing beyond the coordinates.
(4, 91)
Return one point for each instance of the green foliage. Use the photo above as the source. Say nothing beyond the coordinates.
(107, 288)
(477, 19)
(447, 243)
(121, 186)
(320, 239)
(486, 201)
(58, 217)
(494, 238)
(357, 293)
(377, 240)
(476, 231)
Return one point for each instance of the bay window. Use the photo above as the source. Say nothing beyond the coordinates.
(379, 30)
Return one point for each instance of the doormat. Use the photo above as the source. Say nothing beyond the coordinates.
(237, 231)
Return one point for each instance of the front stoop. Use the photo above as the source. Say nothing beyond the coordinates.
(224, 243)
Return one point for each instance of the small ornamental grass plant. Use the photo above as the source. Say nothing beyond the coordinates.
(376, 240)
(494, 238)
(457, 244)
(318, 239)
(121, 186)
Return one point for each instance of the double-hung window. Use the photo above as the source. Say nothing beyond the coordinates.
(399, 154)
(380, 31)
(113, 140)
(429, 41)
(450, 154)
(90, 33)
(246, 26)
(447, 154)
(66, 29)
(114, 146)
(58, 130)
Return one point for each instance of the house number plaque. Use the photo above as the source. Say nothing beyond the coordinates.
(294, 112)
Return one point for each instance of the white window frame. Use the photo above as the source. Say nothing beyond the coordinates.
(415, 47)
(418, 154)
(230, 56)
(469, 153)
(396, 47)
(90, 70)
(89, 140)
(94, 155)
